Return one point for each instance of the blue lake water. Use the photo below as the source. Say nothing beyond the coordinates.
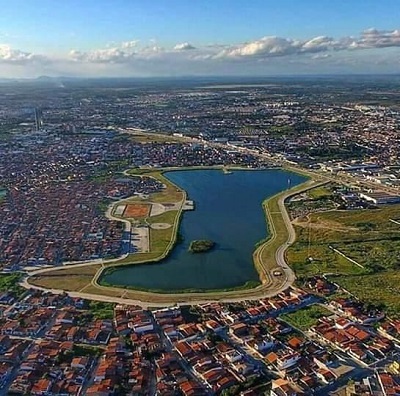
(228, 211)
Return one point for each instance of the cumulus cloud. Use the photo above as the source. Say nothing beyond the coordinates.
(266, 47)
(273, 46)
(184, 47)
(9, 55)
(320, 43)
(108, 55)
(138, 58)
(373, 38)
(123, 53)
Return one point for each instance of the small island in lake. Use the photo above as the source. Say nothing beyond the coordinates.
(201, 245)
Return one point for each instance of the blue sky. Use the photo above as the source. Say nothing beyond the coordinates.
(172, 37)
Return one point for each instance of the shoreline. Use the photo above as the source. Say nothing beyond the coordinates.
(268, 285)
(248, 285)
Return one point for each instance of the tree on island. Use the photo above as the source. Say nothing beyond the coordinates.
(201, 245)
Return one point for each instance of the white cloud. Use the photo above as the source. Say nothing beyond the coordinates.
(261, 55)
(266, 47)
(272, 46)
(108, 55)
(9, 55)
(373, 38)
(130, 44)
(184, 47)
(321, 43)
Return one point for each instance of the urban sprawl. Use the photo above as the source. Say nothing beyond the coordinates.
(64, 150)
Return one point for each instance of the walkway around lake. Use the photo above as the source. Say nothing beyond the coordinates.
(282, 235)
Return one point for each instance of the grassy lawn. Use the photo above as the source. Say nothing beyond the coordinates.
(319, 192)
(9, 282)
(166, 217)
(276, 225)
(268, 253)
(101, 310)
(72, 283)
(170, 194)
(135, 258)
(159, 240)
(307, 317)
(324, 260)
(103, 291)
(135, 289)
(71, 279)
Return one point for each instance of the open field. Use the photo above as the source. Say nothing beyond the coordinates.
(382, 288)
(166, 217)
(307, 317)
(362, 235)
(322, 261)
(101, 310)
(366, 236)
(70, 278)
(57, 281)
(136, 211)
(153, 138)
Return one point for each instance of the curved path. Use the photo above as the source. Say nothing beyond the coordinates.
(271, 285)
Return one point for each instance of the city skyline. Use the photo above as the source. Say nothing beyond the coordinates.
(130, 39)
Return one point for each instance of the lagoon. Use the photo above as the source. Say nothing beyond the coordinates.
(228, 211)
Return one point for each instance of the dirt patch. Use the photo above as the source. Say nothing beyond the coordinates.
(323, 224)
(157, 209)
(137, 211)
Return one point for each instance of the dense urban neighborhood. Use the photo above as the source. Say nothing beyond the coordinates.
(78, 190)
(293, 344)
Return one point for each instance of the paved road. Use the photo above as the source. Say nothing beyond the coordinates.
(270, 287)
(280, 253)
